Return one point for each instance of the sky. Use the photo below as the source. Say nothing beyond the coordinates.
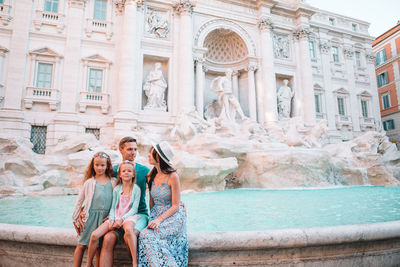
(382, 14)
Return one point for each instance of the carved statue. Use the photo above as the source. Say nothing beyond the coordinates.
(285, 95)
(281, 46)
(157, 25)
(227, 102)
(154, 87)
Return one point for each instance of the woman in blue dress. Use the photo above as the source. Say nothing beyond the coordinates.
(164, 241)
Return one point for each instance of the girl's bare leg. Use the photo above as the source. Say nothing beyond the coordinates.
(107, 251)
(97, 257)
(130, 238)
(94, 238)
(78, 255)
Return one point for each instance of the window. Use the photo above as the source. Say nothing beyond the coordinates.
(354, 27)
(380, 57)
(382, 79)
(341, 110)
(95, 80)
(51, 6)
(388, 125)
(317, 103)
(94, 131)
(43, 75)
(312, 49)
(38, 139)
(335, 53)
(386, 101)
(100, 9)
(364, 108)
(358, 58)
(332, 21)
(1, 2)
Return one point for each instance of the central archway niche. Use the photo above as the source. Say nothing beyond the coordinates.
(226, 48)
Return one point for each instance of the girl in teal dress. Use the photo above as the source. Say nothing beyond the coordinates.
(96, 199)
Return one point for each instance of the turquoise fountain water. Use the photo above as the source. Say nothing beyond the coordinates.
(240, 209)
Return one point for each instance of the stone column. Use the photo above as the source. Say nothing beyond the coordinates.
(11, 117)
(199, 85)
(72, 57)
(354, 111)
(370, 61)
(268, 71)
(128, 58)
(235, 83)
(184, 9)
(252, 92)
(330, 107)
(301, 35)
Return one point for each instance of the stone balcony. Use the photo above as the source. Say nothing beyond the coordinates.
(48, 18)
(99, 26)
(343, 121)
(5, 17)
(94, 99)
(41, 95)
(367, 124)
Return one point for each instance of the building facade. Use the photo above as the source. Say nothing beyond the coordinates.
(387, 50)
(75, 66)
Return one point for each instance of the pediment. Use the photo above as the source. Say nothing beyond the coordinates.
(365, 94)
(97, 58)
(318, 87)
(45, 51)
(341, 91)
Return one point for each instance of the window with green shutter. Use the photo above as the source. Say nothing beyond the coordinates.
(100, 10)
(44, 75)
(95, 80)
(335, 53)
(340, 101)
(311, 46)
(380, 57)
(51, 6)
(386, 101)
(358, 58)
(317, 103)
(364, 108)
(382, 79)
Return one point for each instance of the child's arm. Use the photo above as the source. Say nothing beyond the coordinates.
(79, 202)
(135, 205)
(111, 215)
(176, 199)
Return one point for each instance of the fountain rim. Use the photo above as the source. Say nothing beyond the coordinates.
(234, 240)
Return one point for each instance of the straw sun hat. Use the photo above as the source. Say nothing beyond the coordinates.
(165, 151)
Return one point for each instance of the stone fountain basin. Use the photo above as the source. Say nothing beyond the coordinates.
(375, 244)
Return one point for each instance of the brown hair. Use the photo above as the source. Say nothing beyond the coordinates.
(165, 168)
(90, 172)
(127, 139)
(126, 162)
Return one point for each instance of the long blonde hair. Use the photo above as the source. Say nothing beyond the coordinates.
(126, 162)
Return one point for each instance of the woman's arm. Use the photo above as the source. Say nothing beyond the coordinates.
(135, 204)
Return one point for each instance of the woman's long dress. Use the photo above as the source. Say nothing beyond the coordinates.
(167, 245)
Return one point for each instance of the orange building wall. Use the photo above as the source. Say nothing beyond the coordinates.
(388, 51)
(391, 88)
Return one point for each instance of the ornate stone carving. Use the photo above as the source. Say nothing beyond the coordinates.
(370, 57)
(184, 6)
(154, 88)
(157, 25)
(265, 23)
(77, 3)
(325, 47)
(302, 33)
(348, 52)
(251, 67)
(281, 46)
(120, 4)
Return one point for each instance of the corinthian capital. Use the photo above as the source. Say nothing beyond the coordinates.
(120, 4)
(302, 33)
(265, 23)
(184, 6)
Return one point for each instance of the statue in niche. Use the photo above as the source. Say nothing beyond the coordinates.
(157, 25)
(285, 95)
(226, 101)
(154, 88)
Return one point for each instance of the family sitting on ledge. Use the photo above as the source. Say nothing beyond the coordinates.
(112, 205)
